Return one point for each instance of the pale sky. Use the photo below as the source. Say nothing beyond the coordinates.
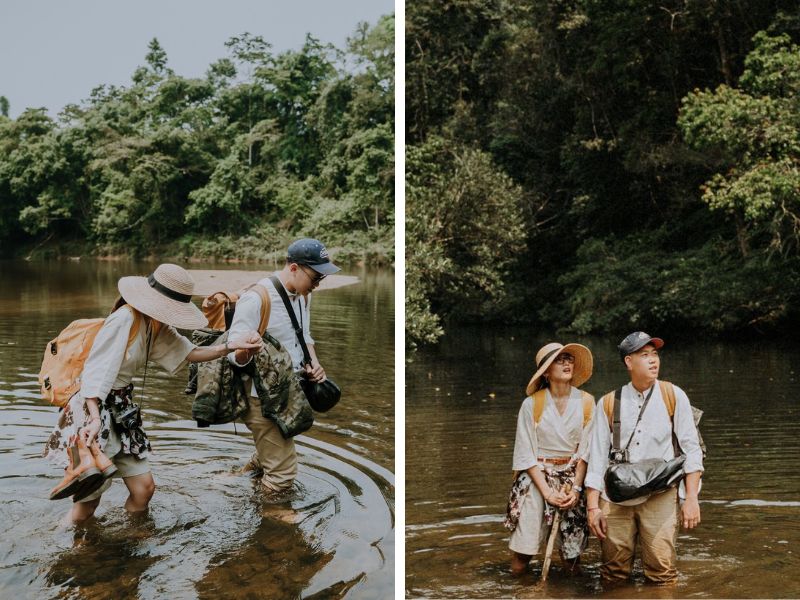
(54, 52)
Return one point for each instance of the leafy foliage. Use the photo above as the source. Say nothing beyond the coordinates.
(596, 110)
(459, 211)
(283, 143)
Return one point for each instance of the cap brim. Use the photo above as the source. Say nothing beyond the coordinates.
(182, 315)
(327, 268)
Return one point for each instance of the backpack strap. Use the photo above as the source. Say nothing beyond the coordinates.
(668, 395)
(539, 400)
(588, 407)
(266, 306)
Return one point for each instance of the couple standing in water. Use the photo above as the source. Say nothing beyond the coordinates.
(99, 434)
(561, 454)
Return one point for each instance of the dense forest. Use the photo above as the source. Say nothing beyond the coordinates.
(603, 166)
(266, 147)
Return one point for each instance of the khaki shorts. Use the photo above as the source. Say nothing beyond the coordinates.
(127, 466)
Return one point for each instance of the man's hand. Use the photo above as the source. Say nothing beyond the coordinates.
(690, 512)
(597, 523)
(315, 372)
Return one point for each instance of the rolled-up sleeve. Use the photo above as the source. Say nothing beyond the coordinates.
(170, 349)
(526, 447)
(686, 432)
(599, 445)
(105, 358)
(246, 319)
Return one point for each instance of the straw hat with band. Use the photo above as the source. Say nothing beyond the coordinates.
(164, 295)
(581, 370)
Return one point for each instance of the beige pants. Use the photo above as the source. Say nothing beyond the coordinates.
(655, 524)
(274, 453)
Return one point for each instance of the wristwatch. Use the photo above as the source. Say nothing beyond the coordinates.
(577, 488)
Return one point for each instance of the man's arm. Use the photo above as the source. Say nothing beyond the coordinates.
(245, 320)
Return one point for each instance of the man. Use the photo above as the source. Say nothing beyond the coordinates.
(307, 263)
(652, 520)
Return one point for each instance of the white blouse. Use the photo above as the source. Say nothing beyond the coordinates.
(557, 435)
(109, 366)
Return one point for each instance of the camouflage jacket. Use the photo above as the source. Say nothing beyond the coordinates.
(222, 395)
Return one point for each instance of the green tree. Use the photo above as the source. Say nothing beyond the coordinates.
(463, 230)
(754, 134)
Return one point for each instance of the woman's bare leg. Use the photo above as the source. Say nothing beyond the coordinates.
(141, 488)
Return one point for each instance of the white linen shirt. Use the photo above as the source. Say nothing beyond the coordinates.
(556, 436)
(109, 366)
(248, 316)
(653, 436)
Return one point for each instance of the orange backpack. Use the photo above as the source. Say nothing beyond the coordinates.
(218, 308)
(64, 357)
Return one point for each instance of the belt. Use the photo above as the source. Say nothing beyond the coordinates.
(555, 461)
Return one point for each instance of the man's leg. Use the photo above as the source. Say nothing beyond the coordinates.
(274, 453)
(658, 522)
(620, 542)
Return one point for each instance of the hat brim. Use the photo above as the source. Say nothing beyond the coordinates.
(182, 315)
(327, 268)
(581, 370)
(657, 343)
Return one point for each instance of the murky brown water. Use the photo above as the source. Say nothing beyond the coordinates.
(462, 400)
(210, 533)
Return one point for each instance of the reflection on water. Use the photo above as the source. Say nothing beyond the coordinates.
(462, 400)
(211, 532)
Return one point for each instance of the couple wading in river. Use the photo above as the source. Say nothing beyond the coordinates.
(100, 435)
(576, 475)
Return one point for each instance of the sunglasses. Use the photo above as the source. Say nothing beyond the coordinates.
(315, 278)
(565, 359)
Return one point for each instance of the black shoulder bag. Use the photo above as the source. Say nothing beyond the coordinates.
(626, 480)
(321, 396)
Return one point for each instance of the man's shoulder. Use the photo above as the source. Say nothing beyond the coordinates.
(680, 394)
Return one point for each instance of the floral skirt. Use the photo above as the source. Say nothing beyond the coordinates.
(530, 518)
(112, 436)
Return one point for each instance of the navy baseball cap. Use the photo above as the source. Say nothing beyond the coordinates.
(311, 253)
(636, 341)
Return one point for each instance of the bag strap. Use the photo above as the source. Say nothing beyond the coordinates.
(617, 425)
(298, 331)
(539, 400)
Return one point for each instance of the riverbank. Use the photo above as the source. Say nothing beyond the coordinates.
(374, 249)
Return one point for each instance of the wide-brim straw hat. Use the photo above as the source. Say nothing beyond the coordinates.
(581, 370)
(165, 295)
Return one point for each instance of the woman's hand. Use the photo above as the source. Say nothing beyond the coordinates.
(573, 497)
(90, 430)
(252, 343)
(557, 498)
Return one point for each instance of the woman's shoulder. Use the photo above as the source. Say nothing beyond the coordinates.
(120, 317)
(581, 394)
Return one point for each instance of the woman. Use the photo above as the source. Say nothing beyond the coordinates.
(148, 311)
(550, 457)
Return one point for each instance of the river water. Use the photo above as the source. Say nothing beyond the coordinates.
(462, 400)
(210, 532)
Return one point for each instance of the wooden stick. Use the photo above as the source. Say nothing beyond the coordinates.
(552, 539)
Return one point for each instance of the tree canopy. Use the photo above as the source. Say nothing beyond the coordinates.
(654, 148)
(267, 146)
